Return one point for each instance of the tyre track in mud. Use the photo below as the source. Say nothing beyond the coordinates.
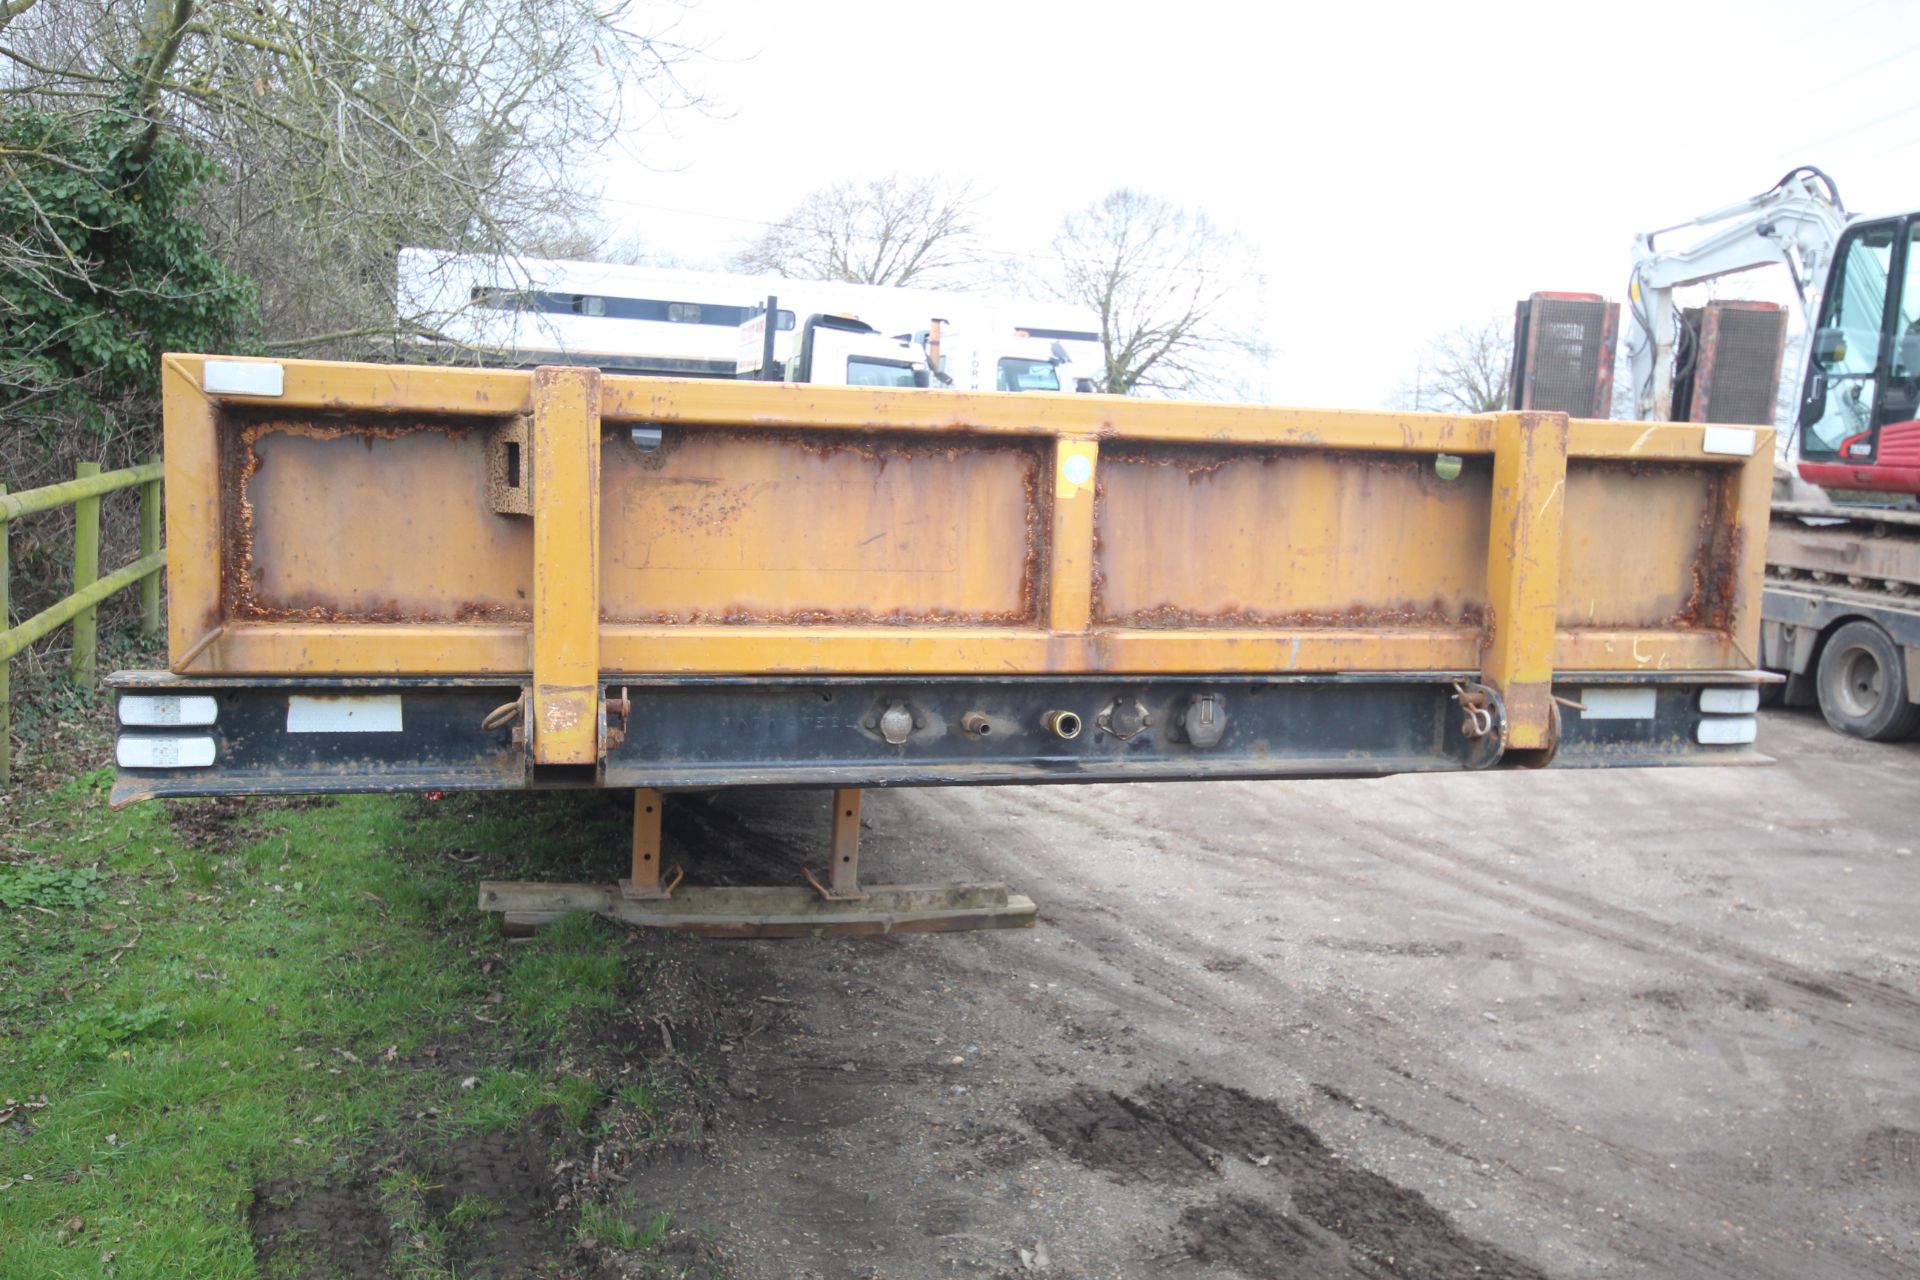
(1181, 990)
(1812, 995)
(1149, 976)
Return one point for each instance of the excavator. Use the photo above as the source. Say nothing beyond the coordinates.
(1841, 620)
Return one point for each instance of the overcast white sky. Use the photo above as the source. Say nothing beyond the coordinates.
(1404, 167)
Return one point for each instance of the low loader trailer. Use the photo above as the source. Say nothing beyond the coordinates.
(388, 578)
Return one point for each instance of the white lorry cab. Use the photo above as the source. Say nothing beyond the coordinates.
(966, 359)
(844, 350)
(528, 311)
(829, 350)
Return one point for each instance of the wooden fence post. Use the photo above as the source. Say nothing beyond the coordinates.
(150, 543)
(86, 568)
(6, 664)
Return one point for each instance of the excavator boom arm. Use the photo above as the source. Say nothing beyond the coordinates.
(1795, 223)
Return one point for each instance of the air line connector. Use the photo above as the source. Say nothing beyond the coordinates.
(1064, 725)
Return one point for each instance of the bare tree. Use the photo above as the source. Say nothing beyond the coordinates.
(347, 129)
(1467, 369)
(1174, 292)
(338, 131)
(894, 230)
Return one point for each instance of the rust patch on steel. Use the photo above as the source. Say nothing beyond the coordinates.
(1434, 613)
(1710, 555)
(1199, 462)
(724, 502)
(241, 462)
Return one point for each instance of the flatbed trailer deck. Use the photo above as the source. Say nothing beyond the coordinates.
(398, 578)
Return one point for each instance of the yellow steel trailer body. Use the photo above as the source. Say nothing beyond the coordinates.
(398, 578)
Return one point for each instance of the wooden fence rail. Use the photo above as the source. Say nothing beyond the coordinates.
(83, 494)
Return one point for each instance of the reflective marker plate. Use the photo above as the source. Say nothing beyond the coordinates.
(242, 378)
(144, 752)
(1616, 704)
(1737, 702)
(343, 713)
(1736, 442)
(166, 709)
(1727, 731)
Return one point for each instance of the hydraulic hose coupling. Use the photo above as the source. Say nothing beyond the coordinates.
(1064, 725)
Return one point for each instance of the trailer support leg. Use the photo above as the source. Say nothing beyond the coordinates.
(843, 875)
(843, 861)
(836, 906)
(645, 880)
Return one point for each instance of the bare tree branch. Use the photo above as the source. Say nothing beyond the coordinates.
(348, 129)
(1171, 288)
(893, 230)
(164, 26)
(11, 9)
(1467, 369)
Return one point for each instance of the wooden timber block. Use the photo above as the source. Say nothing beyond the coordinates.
(768, 911)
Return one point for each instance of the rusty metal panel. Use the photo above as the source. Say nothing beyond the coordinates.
(365, 522)
(1191, 536)
(799, 528)
(366, 519)
(1640, 547)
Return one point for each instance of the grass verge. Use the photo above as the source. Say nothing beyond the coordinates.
(205, 1004)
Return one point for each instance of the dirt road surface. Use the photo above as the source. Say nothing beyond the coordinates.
(1611, 1023)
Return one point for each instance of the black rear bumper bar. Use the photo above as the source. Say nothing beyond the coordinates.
(435, 733)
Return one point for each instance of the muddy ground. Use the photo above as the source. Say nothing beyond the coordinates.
(1617, 1023)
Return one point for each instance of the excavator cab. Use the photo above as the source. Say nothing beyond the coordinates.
(1860, 411)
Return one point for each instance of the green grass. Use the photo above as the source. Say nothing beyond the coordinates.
(200, 1016)
(612, 1224)
(468, 1210)
(654, 1232)
(608, 1224)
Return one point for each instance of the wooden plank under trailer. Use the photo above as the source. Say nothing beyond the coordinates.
(842, 906)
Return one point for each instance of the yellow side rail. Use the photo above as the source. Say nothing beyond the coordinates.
(83, 494)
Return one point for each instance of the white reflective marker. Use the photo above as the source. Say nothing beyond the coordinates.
(1616, 704)
(159, 709)
(1737, 442)
(1727, 731)
(1730, 702)
(242, 378)
(146, 752)
(343, 713)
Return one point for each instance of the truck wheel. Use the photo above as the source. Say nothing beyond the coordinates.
(1863, 685)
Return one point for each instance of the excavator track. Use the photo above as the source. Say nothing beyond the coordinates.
(1874, 551)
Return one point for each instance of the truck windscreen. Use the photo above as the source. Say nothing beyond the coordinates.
(1017, 374)
(863, 371)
